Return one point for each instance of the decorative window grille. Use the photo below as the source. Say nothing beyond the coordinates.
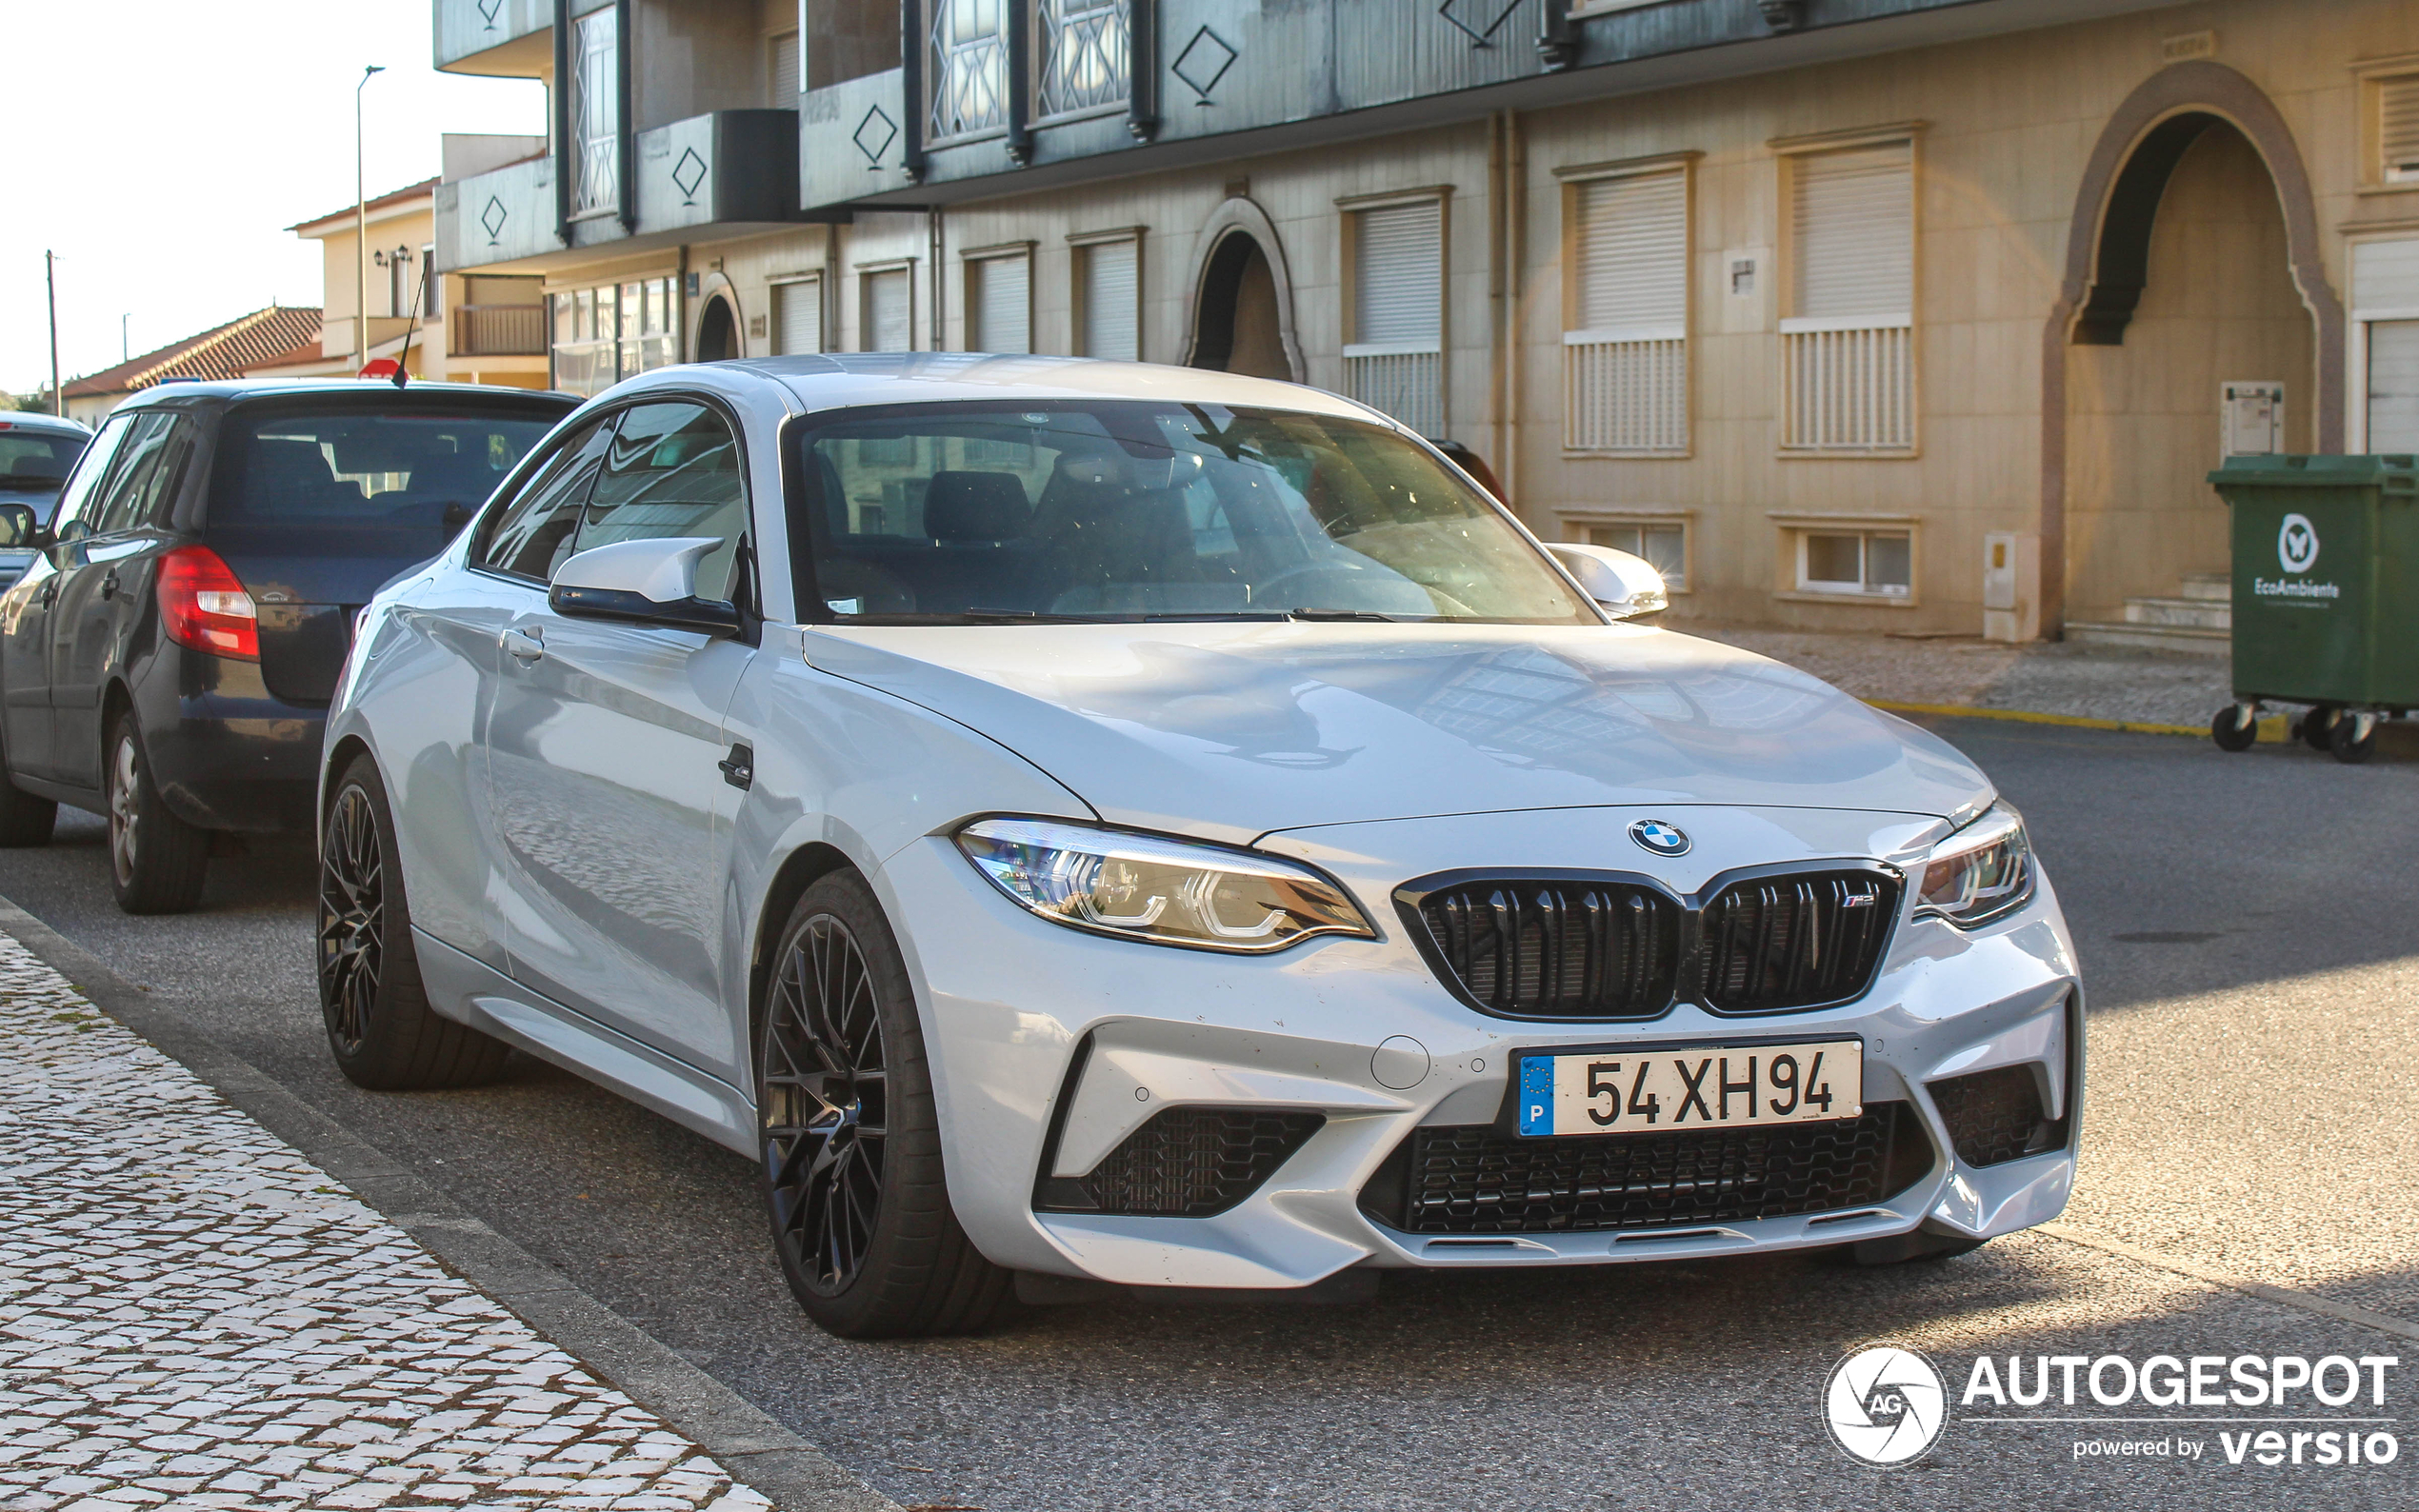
(797, 317)
(1848, 346)
(1000, 304)
(1396, 360)
(1086, 55)
(1625, 357)
(969, 67)
(885, 323)
(782, 70)
(595, 115)
(2398, 130)
(1111, 293)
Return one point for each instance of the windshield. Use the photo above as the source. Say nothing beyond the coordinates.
(352, 466)
(1137, 511)
(37, 462)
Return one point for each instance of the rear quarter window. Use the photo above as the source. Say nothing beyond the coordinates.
(364, 468)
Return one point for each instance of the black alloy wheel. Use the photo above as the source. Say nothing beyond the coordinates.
(850, 1138)
(381, 1029)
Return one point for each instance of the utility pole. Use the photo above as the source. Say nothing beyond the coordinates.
(125, 351)
(50, 288)
(360, 230)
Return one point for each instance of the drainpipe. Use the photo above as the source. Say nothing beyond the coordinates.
(625, 137)
(1142, 64)
(911, 50)
(562, 113)
(1019, 67)
(1508, 467)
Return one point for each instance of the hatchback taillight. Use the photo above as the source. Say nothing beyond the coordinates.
(203, 605)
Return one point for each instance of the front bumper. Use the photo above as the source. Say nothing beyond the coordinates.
(1051, 1047)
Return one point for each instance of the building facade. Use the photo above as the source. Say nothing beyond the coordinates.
(1870, 314)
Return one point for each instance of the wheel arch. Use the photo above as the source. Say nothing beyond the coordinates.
(339, 757)
(800, 870)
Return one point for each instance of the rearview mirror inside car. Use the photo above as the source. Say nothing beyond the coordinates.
(652, 582)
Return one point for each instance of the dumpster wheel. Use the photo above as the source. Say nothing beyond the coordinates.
(2317, 726)
(2235, 728)
(2354, 739)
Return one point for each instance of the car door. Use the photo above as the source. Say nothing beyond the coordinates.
(605, 751)
(104, 586)
(26, 611)
(441, 671)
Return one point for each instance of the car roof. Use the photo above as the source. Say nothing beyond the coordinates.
(893, 378)
(231, 390)
(27, 420)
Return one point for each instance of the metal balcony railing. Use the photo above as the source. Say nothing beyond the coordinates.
(1851, 384)
(497, 330)
(1626, 390)
(1403, 380)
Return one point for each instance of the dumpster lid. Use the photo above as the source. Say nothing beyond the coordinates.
(2397, 470)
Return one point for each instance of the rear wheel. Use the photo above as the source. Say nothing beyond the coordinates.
(2317, 725)
(2232, 729)
(25, 820)
(851, 1144)
(157, 861)
(2349, 743)
(380, 1026)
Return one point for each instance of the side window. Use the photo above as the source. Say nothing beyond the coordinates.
(672, 470)
(147, 477)
(80, 499)
(532, 535)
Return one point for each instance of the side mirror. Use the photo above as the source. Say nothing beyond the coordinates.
(20, 528)
(1625, 586)
(652, 582)
(72, 532)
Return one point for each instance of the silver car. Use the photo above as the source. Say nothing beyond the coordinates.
(1081, 823)
(37, 454)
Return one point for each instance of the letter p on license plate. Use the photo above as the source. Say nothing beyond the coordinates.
(1695, 1087)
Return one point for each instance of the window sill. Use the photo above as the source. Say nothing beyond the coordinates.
(1607, 454)
(1884, 601)
(1845, 454)
(1090, 112)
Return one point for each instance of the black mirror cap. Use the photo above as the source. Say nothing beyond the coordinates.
(707, 616)
(20, 528)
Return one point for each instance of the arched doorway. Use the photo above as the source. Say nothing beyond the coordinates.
(2192, 260)
(1243, 301)
(717, 331)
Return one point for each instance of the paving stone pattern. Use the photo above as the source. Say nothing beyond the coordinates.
(192, 1315)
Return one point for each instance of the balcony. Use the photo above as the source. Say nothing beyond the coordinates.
(505, 38)
(497, 330)
(723, 170)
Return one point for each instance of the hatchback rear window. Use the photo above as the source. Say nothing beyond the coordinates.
(33, 462)
(351, 467)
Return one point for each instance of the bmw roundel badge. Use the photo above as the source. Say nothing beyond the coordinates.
(1664, 840)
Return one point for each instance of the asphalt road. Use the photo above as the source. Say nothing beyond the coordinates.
(2251, 952)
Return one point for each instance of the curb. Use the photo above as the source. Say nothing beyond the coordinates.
(757, 1450)
(2074, 721)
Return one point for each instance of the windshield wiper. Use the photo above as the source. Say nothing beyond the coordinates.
(1370, 615)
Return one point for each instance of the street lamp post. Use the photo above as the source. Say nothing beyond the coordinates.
(360, 230)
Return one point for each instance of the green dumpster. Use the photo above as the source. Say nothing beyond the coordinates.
(2326, 595)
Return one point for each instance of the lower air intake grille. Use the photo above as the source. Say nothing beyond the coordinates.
(1478, 1179)
(1186, 1162)
(1997, 1116)
(1557, 949)
(1804, 940)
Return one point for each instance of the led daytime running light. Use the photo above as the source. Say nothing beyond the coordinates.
(1980, 873)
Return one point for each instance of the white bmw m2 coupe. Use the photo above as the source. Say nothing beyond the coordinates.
(1082, 823)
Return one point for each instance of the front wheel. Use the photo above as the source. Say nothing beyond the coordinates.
(2232, 729)
(380, 1026)
(2349, 744)
(157, 861)
(2317, 725)
(851, 1142)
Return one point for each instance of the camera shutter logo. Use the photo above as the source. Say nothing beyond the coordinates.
(1885, 1406)
(2297, 544)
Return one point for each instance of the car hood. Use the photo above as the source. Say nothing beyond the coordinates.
(1230, 730)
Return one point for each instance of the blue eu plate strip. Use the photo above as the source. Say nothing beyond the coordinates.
(1538, 1094)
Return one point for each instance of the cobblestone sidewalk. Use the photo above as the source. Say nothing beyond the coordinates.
(192, 1315)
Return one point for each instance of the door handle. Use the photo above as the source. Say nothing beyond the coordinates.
(109, 584)
(525, 645)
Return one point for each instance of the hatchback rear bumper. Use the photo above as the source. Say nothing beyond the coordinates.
(227, 755)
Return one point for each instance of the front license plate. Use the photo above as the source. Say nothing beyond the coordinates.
(1696, 1086)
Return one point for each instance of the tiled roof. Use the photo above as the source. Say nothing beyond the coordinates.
(222, 351)
(426, 186)
(309, 351)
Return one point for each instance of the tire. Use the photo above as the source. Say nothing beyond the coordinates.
(2352, 752)
(25, 820)
(2316, 726)
(157, 861)
(851, 1144)
(380, 1028)
(1900, 1248)
(2232, 731)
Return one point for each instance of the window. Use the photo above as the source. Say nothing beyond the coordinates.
(1848, 343)
(431, 286)
(1108, 300)
(886, 320)
(1871, 564)
(147, 474)
(1663, 543)
(531, 536)
(1625, 353)
(596, 116)
(1118, 509)
(969, 67)
(37, 462)
(797, 317)
(2398, 130)
(2385, 311)
(1393, 355)
(999, 303)
(1085, 55)
(401, 288)
(650, 325)
(672, 469)
(605, 335)
(781, 70)
(79, 499)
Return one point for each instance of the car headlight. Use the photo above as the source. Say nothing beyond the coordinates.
(1979, 873)
(1164, 891)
